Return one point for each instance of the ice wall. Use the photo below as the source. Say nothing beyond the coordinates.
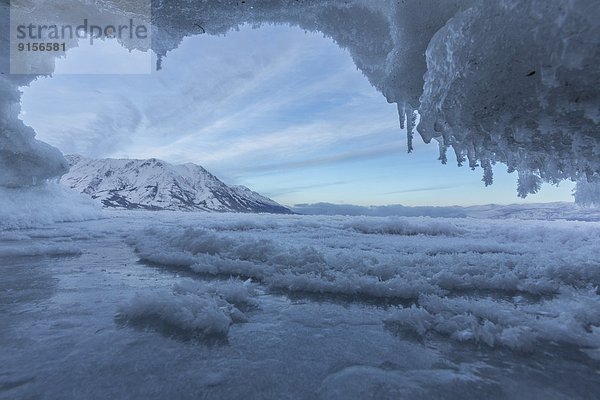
(511, 81)
(24, 161)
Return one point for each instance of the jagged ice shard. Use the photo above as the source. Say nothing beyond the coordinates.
(508, 81)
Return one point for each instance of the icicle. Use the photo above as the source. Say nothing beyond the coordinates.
(458, 151)
(488, 172)
(406, 112)
(443, 152)
(401, 114)
(446, 138)
(411, 121)
(472, 157)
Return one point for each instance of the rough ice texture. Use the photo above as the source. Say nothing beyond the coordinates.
(572, 317)
(59, 337)
(405, 227)
(515, 82)
(500, 283)
(192, 309)
(20, 250)
(42, 205)
(511, 81)
(533, 211)
(24, 161)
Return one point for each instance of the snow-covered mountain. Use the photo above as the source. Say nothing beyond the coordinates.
(157, 185)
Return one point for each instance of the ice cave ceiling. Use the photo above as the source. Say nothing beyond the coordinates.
(509, 81)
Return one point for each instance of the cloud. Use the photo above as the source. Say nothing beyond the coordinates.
(425, 189)
(95, 132)
(220, 102)
(358, 155)
(297, 189)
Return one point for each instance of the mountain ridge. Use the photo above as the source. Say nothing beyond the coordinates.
(153, 184)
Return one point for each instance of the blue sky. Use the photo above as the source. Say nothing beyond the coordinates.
(281, 111)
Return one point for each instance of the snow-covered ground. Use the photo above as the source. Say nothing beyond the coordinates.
(156, 305)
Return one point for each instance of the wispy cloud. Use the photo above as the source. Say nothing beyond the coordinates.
(358, 155)
(296, 189)
(217, 102)
(424, 189)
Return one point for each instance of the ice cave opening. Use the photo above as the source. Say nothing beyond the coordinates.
(512, 82)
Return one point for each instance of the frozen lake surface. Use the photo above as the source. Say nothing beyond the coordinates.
(157, 305)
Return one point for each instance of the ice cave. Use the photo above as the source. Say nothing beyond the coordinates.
(513, 82)
(424, 303)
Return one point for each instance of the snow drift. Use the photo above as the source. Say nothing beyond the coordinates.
(511, 81)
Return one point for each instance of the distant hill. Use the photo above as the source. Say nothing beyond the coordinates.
(539, 211)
